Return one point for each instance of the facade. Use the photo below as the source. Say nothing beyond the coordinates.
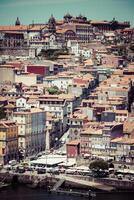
(56, 106)
(38, 69)
(53, 130)
(123, 149)
(8, 141)
(7, 74)
(31, 130)
(62, 82)
(12, 39)
(21, 102)
(26, 78)
(96, 141)
(107, 26)
(75, 124)
(73, 149)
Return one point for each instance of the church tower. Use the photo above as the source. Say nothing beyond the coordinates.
(17, 23)
(52, 25)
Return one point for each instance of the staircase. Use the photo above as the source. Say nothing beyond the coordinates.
(58, 184)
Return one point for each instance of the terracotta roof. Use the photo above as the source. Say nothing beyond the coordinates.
(9, 106)
(92, 131)
(63, 30)
(74, 142)
(3, 98)
(99, 22)
(123, 140)
(128, 126)
(6, 123)
(14, 28)
(37, 27)
(121, 112)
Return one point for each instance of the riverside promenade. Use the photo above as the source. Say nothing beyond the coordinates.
(49, 179)
(85, 183)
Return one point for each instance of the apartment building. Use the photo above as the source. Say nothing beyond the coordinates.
(95, 141)
(8, 141)
(31, 130)
(55, 105)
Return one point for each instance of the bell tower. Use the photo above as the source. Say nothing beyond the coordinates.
(52, 25)
(17, 23)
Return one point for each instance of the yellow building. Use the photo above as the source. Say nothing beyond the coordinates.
(8, 141)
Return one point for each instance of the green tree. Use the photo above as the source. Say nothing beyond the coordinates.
(54, 90)
(98, 164)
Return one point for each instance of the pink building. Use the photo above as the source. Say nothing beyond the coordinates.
(73, 149)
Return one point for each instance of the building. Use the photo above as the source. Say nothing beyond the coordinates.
(123, 149)
(12, 39)
(26, 78)
(73, 149)
(114, 115)
(8, 141)
(53, 130)
(75, 124)
(56, 106)
(107, 26)
(95, 141)
(7, 74)
(42, 70)
(31, 130)
(21, 102)
(62, 81)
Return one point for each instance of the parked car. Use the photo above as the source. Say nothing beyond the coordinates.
(12, 162)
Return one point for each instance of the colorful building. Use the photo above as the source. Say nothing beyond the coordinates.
(8, 141)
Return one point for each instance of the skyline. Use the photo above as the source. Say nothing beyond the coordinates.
(41, 10)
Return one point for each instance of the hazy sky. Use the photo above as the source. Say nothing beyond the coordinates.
(40, 10)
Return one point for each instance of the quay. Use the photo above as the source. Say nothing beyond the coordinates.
(84, 183)
(56, 182)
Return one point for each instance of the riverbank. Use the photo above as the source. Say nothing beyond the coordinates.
(48, 181)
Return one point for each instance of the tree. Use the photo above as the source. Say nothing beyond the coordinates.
(98, 165)
(54, 90)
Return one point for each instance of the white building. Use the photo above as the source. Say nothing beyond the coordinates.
(56, 106)
(26, 78)
(73, 46)
(21, 102)
(86, 53)
(62, 82)
(77, 50)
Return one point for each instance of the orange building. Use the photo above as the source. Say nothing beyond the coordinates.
(8, 141)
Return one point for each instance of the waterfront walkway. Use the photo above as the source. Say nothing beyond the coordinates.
(86, 183)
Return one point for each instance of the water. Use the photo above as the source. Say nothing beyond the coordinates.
(24, 193)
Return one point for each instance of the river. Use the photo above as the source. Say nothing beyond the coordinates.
(25, 193)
